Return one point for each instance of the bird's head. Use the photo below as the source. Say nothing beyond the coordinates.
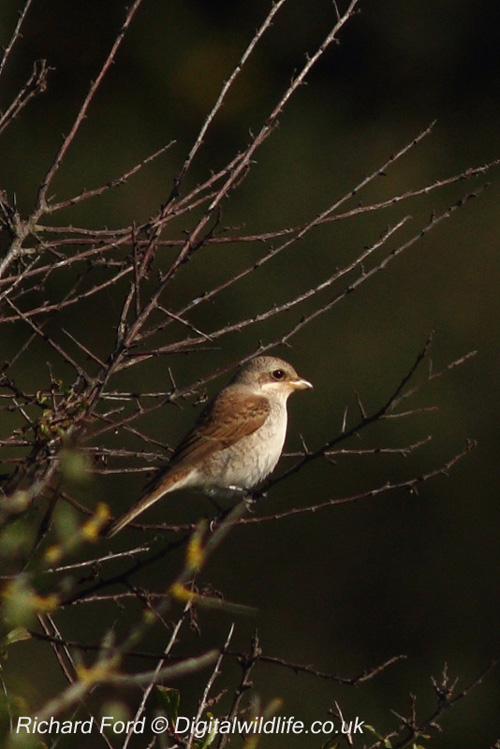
(268, 375)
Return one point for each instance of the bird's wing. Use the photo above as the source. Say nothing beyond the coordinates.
(232, 416)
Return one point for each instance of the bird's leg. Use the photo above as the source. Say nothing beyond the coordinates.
(250, 502)
(218, 507)
(236, 491)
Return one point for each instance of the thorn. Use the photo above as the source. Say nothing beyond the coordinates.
(360, 405)
(344, 420)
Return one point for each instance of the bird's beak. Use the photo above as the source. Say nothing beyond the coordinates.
(300, 385)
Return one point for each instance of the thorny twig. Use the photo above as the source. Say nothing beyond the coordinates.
(98, 261)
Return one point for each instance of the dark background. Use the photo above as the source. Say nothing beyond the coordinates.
(353, 585)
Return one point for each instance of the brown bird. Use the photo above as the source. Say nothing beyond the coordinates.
(236, 441)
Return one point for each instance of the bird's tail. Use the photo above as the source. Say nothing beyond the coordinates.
(169, 484)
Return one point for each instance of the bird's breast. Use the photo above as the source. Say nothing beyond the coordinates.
(247, 462)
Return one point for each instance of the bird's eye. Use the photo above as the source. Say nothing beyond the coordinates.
(278, 374)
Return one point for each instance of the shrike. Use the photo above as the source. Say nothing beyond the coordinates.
(236, 441)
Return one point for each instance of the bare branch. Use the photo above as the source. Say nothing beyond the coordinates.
(36, 84)
(42, 204)
(15, 36)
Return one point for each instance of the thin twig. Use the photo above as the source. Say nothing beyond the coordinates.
(42, 205)
(15, 36)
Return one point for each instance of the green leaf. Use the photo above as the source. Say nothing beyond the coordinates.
(330, 744)
(15, 635)
(169, 699)
(387, 743)
(75, 466)
(208, 740)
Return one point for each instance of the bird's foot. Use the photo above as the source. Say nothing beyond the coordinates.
(250, 502)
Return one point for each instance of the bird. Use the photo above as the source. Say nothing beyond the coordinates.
(235, 443)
